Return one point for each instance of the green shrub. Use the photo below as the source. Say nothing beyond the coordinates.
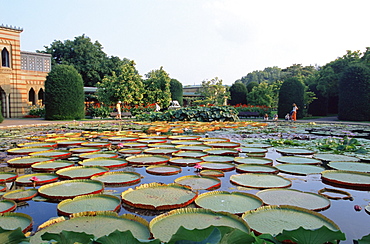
(354, 93)
(64, 94)
(238, 94)
(291, 91)
(37, 110)
(101, 112)
(262, 110)
(176, 91)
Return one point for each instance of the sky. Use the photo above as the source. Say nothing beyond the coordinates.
(197, 40)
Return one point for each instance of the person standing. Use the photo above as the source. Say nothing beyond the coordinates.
(157, 107)
(118, 108)
(294, 112)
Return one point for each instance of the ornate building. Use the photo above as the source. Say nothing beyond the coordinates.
(22, 74)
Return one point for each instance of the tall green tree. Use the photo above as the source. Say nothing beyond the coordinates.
(291, 91)
(126, 87)
(176, 91)
(157, 88)
(261, 95)
(238, 93)
(87, 57)
(64, 94)
(214, 92)
(354, 93)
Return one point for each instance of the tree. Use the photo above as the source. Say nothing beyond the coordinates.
(88, 58)
(291, 91)
(214, 92)
(354, 93)
(126, 87)
(238, 94)
(64, 94)
(1, 113)
(251, 85)
(261, 95)
(176, 91)
(157, 88)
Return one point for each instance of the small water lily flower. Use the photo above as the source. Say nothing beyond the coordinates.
(120, 145)
(357, 208)
(34, 178)
(239, 149)
(198, 167)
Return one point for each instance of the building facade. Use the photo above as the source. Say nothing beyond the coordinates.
(22, 74)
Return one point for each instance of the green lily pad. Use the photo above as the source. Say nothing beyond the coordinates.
(199, 182)
(27, 150)
(218, 159)
(20, 195)
(260, 181)
(293, 197)
(163, 169)
(7, 205)
(192, 147)
(300, 169)
(350, 166)
(98, 155)
(184, 161)
(60, 154)
(152, 140)
(297, 160)
(118, 178)
(222, 151)
(105, 162)
(123, 138)
(218, 166)
(256, 168)
(51, 165)
(346, 178)
(190, 154)
(213, 139)
(253, 160)
(214, 173)
(44, 178)
(161, 151)
(25, 162)
(148, 159)
(12, 221)
(133, 144)
(231, 202)
(81, 172)
(160, 145)
(253, 150)
(259, 145)
(185, 142)
(130, 151)
(99, 144)
(68, 143)
(79, 150)
(327, 157)
(7, 176)
(222, 144)
(37, 144)
(295, 151)
(183, 137)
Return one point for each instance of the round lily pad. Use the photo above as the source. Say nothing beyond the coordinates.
(7, 176)
(260, 181)
(190, 154)
(118, 178)
(183, 137)
(222, 151)
(300, 169)
(199, 182)
(161, 151)
(346, 178)
(148, 159)
(99, 144)
(130, 151)
(7, 206)
(163, 169)
(256, 168)
(192, 218)
(133, 144)
(79, 150)
(12, 221)
(218, 166)
(25, 162)
(81, 172)
(70, 188)
(214, 173)
(293, 197)
(100, 224)
(42, 178)
(105, 162)
(193, 147)
(253, 150)
(68, 143)
(350, 166)
(27, 150)
(20, 195)
(98, 155)
(231, 202)
(93, 202)
(297, 160)
(295, 151)
(185, 142)
(274, 219)
(123, 138)
(152, 140)
(335, 194)
(157, 196)
(160, 145)
(253, 160)
(37, 144)
(218, 159)
(327, 157)
(213, 139)
(60, 154)
(184, 161)
(2, 188)
(259, 145)
(222, 144)
(51, 165)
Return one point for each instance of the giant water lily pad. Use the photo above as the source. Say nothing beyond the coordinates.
(68, 143)
(79, 150)
(7, 176)
(218, 166)
(295, 151)
(231, 202)
(218, 159)
(350, 166)
(25, 162)
(347, 178)
(152, 140)
(101, 224)
(130, 151)
(222, 144)
(70, 188)
(161, 151)
(163, 169)
(94, 202)
(7, 206)
(27, 150)
(259, 145)
(256, 168)
(99, 144)
(192, 147)
(190, 154)
(148, 159)
(199, 182)
(51, 165)
(133, 144)
(37, 144)
(213, 139)
(98, 155)
(161, 145)
(293, 197)
(81, 172)
(300, 169)
(185, 142)
(274, 219)
(297, 160)
(60, 154)
(118, 178)
(105, 162)
(192, 218)
(214, 173)
(222, 151)
(253, 160)
(253, 150)
(260, 181)
(20, 195)
(334, 157)
(43, 178)
(12, 221)
(184, 137)
(184, 161)
(123, 138)
(157, 196)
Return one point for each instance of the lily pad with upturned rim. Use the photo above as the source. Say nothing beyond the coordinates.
(148, 159)
(199, 182)
(327, 157)
(193, 147)
(293, 197)
(93, 202)
(97, 155)
(218, 159)
(183, 161)
(161, 151)
(152, 140)
(213, 173)
(28, 161)
(7, 176)
(213, 139)
(222, 151)
(300, 169)
(218, 166)
(70, 188)
(68, 143)
(99, 144)
(253, 150)
(20, 195)
(183, 137)
(186, 143)
(190, 154)
(350, 166)
(157, 196)
(192, 218)
(7, 205)
(274, 219)
(52, 165)
(260, 181)
(27, 150)
(161, 145)
(297, 160)
(256, 168)
(130, 151)
(44, 178)
(104, 162)
(253, 160)
(347, 178)
(222, 144)
(60, 154)
(295, 151)
(231, 202)
(118, 178)
(12, 221)
(79, 150)
(81, 172)
(163, 169)
(3, 188)
(123, 138)
(133, 144)
(258, 145)
(37, 144)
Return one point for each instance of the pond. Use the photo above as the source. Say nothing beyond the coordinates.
(355, 224)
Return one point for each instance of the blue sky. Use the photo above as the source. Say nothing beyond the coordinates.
(196, 40)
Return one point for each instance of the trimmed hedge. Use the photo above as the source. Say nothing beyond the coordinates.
(291, 91)
(64, 94)
(1, 113)
(354, 93)
(176, 91)
(238, 94)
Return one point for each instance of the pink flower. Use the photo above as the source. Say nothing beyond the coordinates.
(34, 178)
(239, 149)
(198, 166)
(120, 145)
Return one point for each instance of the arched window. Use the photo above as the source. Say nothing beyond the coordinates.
(41, 96)
(31, 96)
(5, 62)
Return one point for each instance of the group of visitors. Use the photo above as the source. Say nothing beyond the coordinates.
(293, 114)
